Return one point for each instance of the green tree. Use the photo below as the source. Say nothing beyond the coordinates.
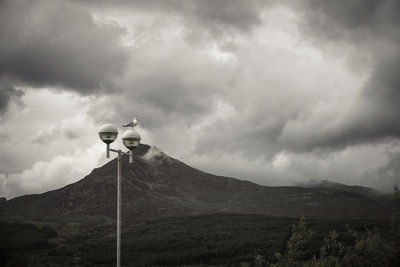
(295, 255)
(369, 249)
(395, 227)
(330, 252)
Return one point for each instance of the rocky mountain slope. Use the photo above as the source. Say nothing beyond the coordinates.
(157, 185)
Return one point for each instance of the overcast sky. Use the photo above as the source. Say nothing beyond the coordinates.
(276, 92)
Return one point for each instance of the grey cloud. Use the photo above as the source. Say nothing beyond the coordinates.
(234, 13)
(58, 44)
(8, 92)
(52, 134)
(254, 135)
(174, 85)
(385, 177)
(341, 19)
(70, 129)
(215, 15)
(4, 137)
(373, 28)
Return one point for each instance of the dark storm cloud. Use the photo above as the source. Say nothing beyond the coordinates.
(58, 44)
(355, 20)
(216, 15)
(372, 28)
(7, 93)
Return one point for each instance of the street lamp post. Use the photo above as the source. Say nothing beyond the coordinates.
(131, 139)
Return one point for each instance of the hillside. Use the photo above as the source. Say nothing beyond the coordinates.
(157, 185)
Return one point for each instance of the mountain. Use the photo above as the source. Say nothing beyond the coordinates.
(362, 190)
(157, 185)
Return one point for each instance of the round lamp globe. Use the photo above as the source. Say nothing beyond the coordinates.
(108, 133)
(131, 139)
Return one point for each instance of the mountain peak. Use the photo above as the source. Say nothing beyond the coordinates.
(157, 185)
(153, 154)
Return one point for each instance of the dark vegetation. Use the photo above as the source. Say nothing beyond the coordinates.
(223, 239)
(20, 239)
(220, 240)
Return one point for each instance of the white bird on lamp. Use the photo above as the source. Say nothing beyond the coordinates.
(132, 123)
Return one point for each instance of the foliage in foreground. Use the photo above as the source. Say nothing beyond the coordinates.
(366, 249)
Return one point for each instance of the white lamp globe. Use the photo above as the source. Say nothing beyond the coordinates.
(131, 139)
(108, 133)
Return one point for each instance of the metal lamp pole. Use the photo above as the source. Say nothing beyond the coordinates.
(131, 139)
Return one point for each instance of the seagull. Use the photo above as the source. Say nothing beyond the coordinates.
(132, 123)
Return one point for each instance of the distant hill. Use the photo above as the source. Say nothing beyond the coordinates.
(157, 185)
(362, 190)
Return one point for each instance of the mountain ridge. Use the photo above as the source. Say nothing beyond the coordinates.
(157, 185)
